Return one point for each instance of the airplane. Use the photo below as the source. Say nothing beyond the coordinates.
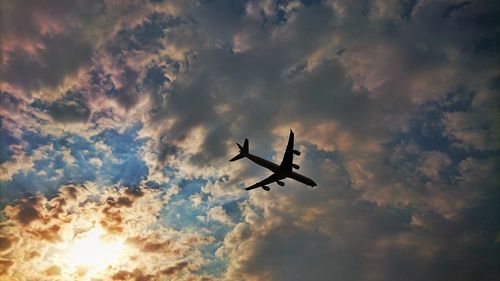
(280, 172)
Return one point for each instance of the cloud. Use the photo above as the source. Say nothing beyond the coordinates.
(20, 162)
(176, 268)
(61, 55)
(219, 214)
(70, 108)
(4, 266)
(433, 164)
(43, 44)
(5, 243)
(135, 275)
(473, 128)
(49, 225)
(120, 116)
(330, 236)
(53, 271)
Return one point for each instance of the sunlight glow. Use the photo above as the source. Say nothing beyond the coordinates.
(94, 251)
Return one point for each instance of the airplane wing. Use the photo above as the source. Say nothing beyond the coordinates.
(272, 178)
(288, 157)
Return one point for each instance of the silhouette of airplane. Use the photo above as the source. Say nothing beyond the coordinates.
(284, 170)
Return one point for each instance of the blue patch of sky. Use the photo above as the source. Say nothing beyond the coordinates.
(180, 214)
(146, 35)
(172, 64)
(258, 211)
(427, 131)
(124, 166)
(215, 265)
(6, 139)
(233, 210)
(314, 153)
(155, 77)
(25, 184)
(407, 7)
(170, 172)
(217, 229)
(34, 140)
(177, 220)
(189, 187)
(281, 17)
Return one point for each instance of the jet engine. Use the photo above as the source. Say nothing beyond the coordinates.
(280, 183)
(296, 152)
(266, 188)
(295, 166)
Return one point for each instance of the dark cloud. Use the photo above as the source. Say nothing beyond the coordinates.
(72, 107)
(5, 243)
(136, 275)
(146, 39)
(175, 269)
(128, 95)
(353, 239)
(71, 191)
(27, 211)
(113, 218)
(112, 221)
(155, 77)
(35, 217)
(49, 233)
(323, 257)
(454, 8)
(151, 246)
(147, 35)
(369, 84)
(134, 192)
(43, 43)
(4, 266)
(251, 83)
(222, 78)
(61, 56)
(32, 18)
(393, 104)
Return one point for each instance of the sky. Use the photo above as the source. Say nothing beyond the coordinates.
(118, 118)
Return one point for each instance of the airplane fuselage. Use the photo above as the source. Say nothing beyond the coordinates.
(275, 168)
(264, 163)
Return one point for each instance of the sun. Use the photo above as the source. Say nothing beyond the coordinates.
(93, 252)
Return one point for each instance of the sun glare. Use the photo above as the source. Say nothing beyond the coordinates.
(93, 251)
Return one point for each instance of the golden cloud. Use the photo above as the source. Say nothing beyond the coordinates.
(85, 232)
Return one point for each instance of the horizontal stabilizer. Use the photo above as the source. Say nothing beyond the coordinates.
(237, 157)
(243, 151)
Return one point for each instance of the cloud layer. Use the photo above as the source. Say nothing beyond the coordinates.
(118, 118)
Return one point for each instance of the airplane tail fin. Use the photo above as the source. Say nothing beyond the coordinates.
(243, 151)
